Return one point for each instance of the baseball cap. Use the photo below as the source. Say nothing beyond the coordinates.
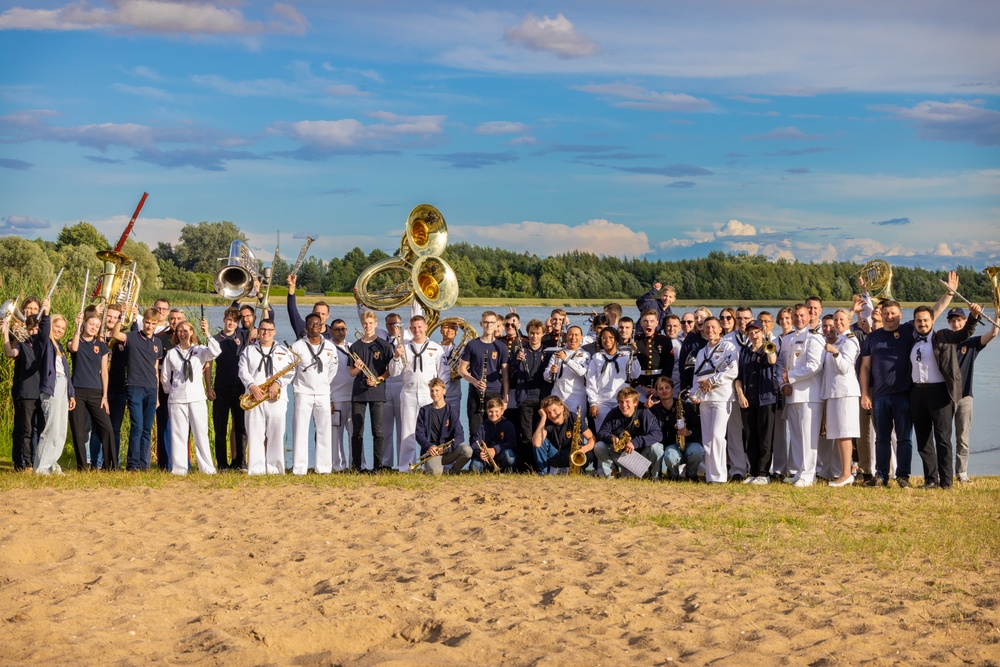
(956, 312)
(755, 324)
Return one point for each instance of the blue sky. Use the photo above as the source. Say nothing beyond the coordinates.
(815, 131)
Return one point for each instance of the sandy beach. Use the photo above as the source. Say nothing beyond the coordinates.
(494, 571)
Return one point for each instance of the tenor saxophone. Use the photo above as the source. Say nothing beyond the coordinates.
(248, 402)
(577, 459)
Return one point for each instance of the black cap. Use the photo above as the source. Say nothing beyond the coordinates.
(754, 324)
(956, 312)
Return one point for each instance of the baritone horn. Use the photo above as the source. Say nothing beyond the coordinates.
(238, 278)
(468, 333)
(10, 311)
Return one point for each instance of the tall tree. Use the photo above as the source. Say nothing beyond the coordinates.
(82, 233)
(202, 245)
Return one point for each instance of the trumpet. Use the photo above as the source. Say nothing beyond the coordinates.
(485, 449)
(427, 457)
(369, 373)
(770, 348)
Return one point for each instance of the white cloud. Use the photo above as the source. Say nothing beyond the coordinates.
(557, 36)
(600, 237)
(954, 121)
(636, 97)
(21, 224)
(737, 228)
(148, 230)
(350, 133)
(501, 127)
(157, 16)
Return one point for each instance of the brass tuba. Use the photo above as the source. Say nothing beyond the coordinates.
(236, 279)
(119, 284)
(878, 279)
(427, 277)
(10, 311)
(468, 333)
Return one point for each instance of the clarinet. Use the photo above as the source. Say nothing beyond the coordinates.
(482, 392)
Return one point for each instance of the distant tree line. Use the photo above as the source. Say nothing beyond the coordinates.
(191, 263)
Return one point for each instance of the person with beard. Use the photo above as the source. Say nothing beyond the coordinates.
(311, 387)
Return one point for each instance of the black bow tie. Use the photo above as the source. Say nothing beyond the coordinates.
(921, 339)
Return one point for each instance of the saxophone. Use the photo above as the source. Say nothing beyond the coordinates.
(623, 440)
(577, 459)
(248, 402)
(680, 423)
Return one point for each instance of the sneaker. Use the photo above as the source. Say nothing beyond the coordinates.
(801, 484)
(931, 484)
(749, 479)
(875, 480)
(903, 482)
(760, 481)
(964, 479)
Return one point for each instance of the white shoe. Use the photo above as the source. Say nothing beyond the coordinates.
(760, 481)
(748, 480)
(801, 483)
(846, 482)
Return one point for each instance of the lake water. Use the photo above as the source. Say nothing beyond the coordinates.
(984, 458)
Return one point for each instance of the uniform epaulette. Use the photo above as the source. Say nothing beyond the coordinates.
(850, 335)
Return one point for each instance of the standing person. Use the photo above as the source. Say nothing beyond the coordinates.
(885, 386)
(609, 371)
(25, 389)
(967, 353)
(311, 387)
(673, 332)
(559, 323)
(90, 384)
(260, 363)
(757, 394)
(568, 372)
(437, 425)
(226, 391)
(532, 387)
(341, 391)
(392, 415)
(512, 337)
(681, 434)
(452, 351)
(117, 396)
(248, 320)
(144, 351)
(552, 439)
(692, 344)
(182, 377)
(614, 313)
(163, 439)
(842, 393)
(687, 325)
(494, 441)
(416, 363)
(655, 353)
(57, 393)
(320, 308)
(368, 394)
(800, 372)
(659, 298)
(715, 371)
(727, 318)
(590, 341)
(484, 354)
(781, 454)
(626, 331)
(937, 387)
(642, 427)
(815, 306)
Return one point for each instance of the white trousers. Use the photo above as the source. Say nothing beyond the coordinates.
(315, 408)
(193, 418)
(803, 434)
(340, 449)
(737, 453)
(714, 424)
(410, 403)
(266, 422)
(52, 440)
(391, 422)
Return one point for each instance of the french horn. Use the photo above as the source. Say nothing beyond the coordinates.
(878, 279)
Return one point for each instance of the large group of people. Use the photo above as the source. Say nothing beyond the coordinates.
(735, 397)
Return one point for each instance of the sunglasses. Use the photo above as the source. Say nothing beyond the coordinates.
(508, 325)
(727, 317)
(687, 321)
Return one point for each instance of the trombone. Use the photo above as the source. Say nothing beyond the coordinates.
(982, 314)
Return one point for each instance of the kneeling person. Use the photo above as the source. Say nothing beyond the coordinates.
(553, 438)
(493, 444)
(437, 426)
(643, 430)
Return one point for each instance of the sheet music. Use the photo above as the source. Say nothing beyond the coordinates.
(635, 463)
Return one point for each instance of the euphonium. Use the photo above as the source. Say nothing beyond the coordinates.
(119, 285)
(10, 311)
(468, 333)
(236, 279)
(248, 402)
(577, 459)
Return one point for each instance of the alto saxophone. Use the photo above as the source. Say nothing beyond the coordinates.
(623, 440)
(577, 459)
(681, 424)
(248, 402)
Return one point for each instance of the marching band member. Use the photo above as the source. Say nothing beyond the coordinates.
(597, 325)
(373, 353)
(165, 333)
(311, 387)
(800, 374)
(655, 353)
(781, 455)
(25, 389)
(568, 372)
(144, 351)
(298, 324)
(90, 384)
(842, 393)
(416, 363)
(715, 372)
(626, 331)
(438, 424)
(482, 353)
(532, 386)
(56, 390)
(736, 438)
(667, 410)
(757, 394)
(392, 416)
(552, 439)
(557, 336)
(672, 329)
(641, 425)
(690, 346)
(341, 390)
(608, 372)
(453, 393)
(494, 439)
(182, 378)
(226, 392)
(815, 306)
(512, 337)
(659, 299)
(266, 422)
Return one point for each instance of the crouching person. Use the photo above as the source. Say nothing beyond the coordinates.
(553, 438)
(493, 444)
(681, 430)
(641, 427)
(438, 432)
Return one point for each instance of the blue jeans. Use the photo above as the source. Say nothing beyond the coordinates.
(547, 455)
(606, 455)
(505, 459)
(142, 412)
(892, 411)
(117, 400)
(691, 457)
